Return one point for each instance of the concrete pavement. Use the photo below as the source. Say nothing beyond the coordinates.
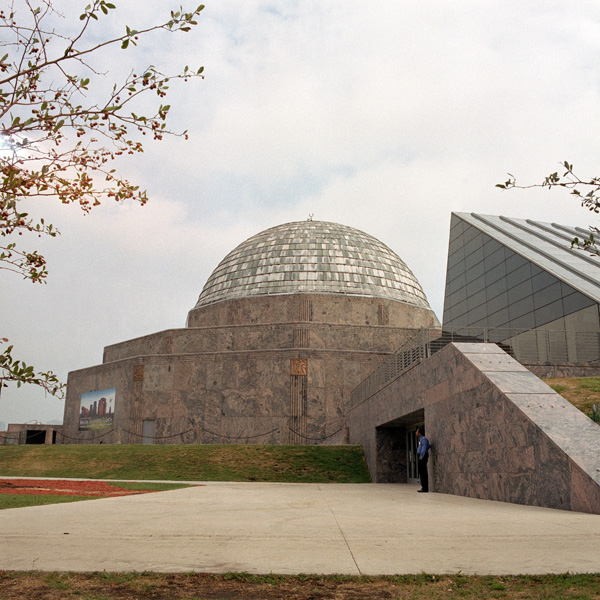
(299, 528)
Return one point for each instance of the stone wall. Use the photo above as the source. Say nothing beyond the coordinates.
(224, 397)
(497, 431)
(282, 336)
(318, 308)
(545, 370)
(276, 369)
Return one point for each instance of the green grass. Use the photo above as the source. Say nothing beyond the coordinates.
(582, 392)
(307, 464)
(22, 500)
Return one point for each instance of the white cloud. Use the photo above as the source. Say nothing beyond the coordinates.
(383, 116)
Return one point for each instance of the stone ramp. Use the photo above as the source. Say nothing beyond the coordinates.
(566, 452)
(497, 431)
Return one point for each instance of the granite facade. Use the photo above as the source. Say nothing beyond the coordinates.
(315, 308)
(233, 376)
(497, 431)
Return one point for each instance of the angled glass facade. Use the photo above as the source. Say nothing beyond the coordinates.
(510, 274)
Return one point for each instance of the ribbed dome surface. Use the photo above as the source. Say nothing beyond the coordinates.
(312, 257)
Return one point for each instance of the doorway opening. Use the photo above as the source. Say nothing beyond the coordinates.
(397, 449)
(35, 436)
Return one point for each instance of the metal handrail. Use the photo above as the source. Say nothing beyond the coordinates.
(525, 345)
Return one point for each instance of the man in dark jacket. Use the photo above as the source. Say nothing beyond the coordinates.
(423, 453)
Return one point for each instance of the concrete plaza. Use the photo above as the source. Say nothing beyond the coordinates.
(352, 529)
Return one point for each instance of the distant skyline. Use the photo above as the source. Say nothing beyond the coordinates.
(383, 116)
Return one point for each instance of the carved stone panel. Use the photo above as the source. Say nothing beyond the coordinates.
(299, 367)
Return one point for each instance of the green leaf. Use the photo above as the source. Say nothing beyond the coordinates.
(125, 44)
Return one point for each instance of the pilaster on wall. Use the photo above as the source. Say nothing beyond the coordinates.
(497, 431)
(301, 337)
(135, 407)
(305, 312)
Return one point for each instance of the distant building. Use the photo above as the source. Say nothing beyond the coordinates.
(31, 433)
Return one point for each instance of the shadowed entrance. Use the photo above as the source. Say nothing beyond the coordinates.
(396, 449)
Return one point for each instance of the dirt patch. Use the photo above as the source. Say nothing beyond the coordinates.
(196, 586)
(180, 587)
(58, 487)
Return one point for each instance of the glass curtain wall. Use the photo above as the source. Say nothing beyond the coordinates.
(490, 286)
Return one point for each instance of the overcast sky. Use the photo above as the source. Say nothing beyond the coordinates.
(385, 116)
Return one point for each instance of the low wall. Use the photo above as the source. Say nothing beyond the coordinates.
(546, 370)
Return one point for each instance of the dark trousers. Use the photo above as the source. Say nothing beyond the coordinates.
(423, 475)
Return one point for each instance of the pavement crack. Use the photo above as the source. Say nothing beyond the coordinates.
(341, 531)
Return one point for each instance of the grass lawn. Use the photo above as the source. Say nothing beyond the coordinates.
(581, 392)
(310, 464)
(243, 586)
(307, 464)
(21, 500)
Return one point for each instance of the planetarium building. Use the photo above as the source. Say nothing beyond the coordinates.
(317, 333)
(286, 326)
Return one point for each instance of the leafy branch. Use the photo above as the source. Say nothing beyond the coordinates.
(60, 135)
(587, 191)
(17, 371)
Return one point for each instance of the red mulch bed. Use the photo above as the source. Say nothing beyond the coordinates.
(58, 487)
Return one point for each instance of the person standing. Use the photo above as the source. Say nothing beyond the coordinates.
(423, 454)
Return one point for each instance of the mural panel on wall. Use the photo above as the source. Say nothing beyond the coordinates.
(97, 409)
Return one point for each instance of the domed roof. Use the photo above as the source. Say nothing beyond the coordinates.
(312, 257)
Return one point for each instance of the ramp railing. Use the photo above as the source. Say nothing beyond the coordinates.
(525, 345)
